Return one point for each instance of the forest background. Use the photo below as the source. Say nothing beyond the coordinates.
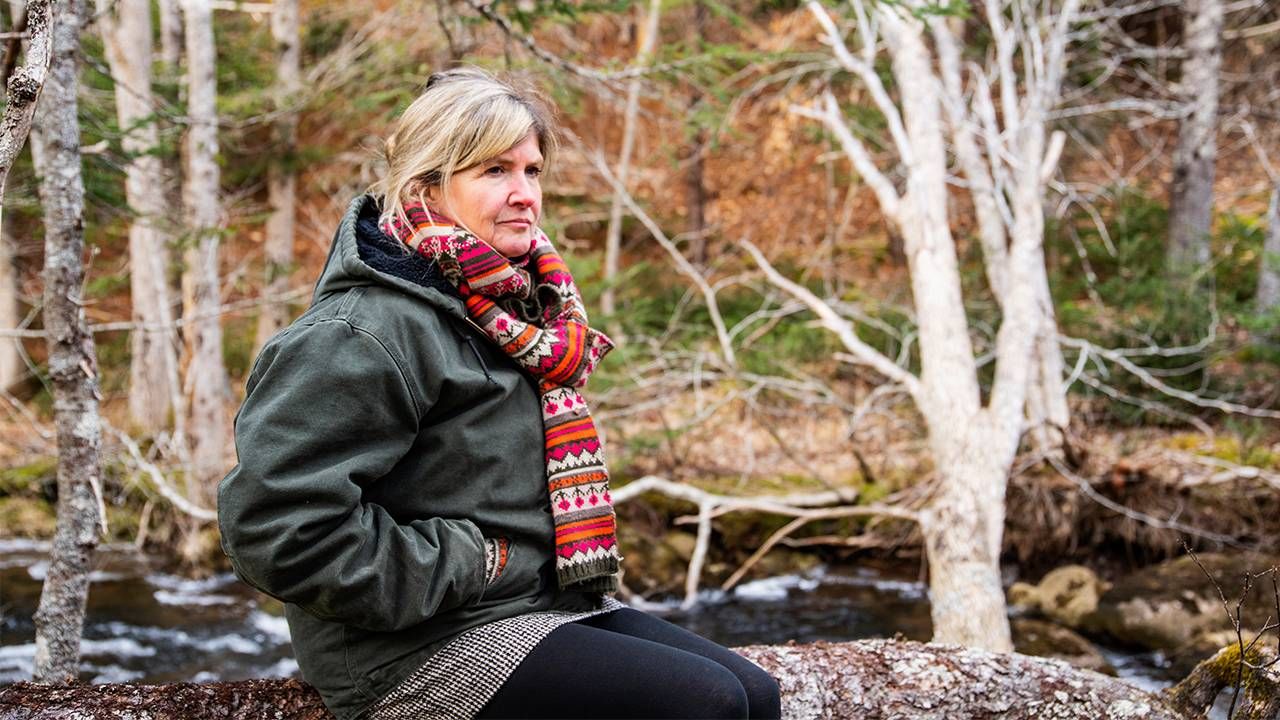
(791, 399)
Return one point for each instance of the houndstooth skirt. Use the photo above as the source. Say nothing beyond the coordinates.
(457, 681)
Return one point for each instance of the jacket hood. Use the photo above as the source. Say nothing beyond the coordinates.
(362, 255)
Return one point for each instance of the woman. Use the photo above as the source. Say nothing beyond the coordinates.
(419, 480)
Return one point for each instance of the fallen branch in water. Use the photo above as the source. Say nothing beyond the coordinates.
(803, 506)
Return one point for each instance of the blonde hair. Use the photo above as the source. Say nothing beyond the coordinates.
(462, 118)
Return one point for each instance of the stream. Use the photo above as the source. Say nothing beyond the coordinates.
(148, 626)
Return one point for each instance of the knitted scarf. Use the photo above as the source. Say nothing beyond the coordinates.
(532, 311)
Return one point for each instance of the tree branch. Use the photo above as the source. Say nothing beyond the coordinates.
(712, 505)
(886, 194)
(682, 264)
(869, 77)
(1156, 384)
(838, 325)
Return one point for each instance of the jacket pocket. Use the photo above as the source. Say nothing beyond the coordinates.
(497, 551)
(513, 578)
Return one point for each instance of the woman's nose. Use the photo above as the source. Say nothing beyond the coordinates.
(521, 193)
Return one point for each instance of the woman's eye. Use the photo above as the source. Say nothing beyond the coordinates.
(533, 171)
(494, 170)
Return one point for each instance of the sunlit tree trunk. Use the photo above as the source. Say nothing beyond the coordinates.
(695, 181)
(1269, 277)
(1191, 193)
(73, 365)
(170, 32)
(11, 365)
(10, 361)
(153, 367)
(972, 445)
(278, 246)
(1048, 414)
(613, 236)
(206, 374)
(960, 525)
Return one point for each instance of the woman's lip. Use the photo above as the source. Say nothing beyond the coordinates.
(526, 223)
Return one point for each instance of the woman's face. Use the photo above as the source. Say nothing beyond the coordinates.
(500, 200)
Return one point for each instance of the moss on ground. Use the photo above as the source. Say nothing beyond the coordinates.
(24, 517)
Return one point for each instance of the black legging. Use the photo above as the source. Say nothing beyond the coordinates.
(626, 664)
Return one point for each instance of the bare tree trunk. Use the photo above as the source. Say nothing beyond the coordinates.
(153, 365)
(170, 33)
(278, 246)
(1048, 415)
(1191, 192)
(695, 182)
(11, 367)
(613, 236)
(1047, 410)
(1269, 277)
(965, 593)
(72, 364)
(973, 447)
(24, 87)
(963, 524)
(206, 374)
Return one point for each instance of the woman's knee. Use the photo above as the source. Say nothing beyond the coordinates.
(764, 697)
(719, 694)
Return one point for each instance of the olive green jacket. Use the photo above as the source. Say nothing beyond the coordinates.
(382, 438)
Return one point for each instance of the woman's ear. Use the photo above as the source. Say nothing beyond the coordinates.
(425, 189)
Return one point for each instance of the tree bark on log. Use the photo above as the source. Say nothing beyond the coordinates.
(73, 365)
(1250, 667)
(865, 679)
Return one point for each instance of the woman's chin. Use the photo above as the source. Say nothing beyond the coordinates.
(512, 245)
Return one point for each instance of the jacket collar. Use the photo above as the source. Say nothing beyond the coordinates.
(362, 255)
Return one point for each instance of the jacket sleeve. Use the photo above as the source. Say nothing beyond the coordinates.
(327, 411)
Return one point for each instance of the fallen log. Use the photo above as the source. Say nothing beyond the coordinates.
(865, 679)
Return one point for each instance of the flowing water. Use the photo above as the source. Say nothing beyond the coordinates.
(147, 626)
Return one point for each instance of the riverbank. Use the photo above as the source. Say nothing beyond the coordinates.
(1131, 498)
(146, 625)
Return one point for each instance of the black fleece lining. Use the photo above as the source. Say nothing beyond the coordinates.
(390, 256)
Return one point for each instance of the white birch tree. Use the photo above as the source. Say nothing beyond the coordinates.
(206, 379)
(1268, 297)
(1191, 191)
(1048, 414)
(154, 390)
(170, 13)
(10, 361)
(59, 618)
(613, 235)
(278, 246)
(972, 444)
